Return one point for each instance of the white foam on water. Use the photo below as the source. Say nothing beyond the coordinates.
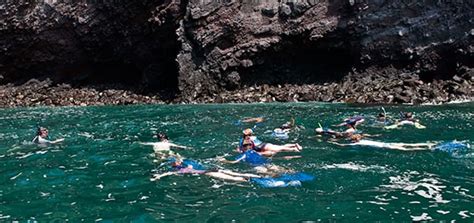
(86, 134)
(377, 203)
(443, 212)
(427, 187)
(422, 217)
(464, 214)
(356, 167)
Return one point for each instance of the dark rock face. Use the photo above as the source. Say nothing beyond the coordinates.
(372, 51)
(304, 43)
(88, 42)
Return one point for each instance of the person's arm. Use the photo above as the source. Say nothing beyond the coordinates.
(57, 141)
(223, 160)
(178, 146)
(258, 119)
(338, 144)
(159, 176)
(371, 135)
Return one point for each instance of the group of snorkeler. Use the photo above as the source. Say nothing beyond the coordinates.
(256, 152)
(357, 138)
(177, 164)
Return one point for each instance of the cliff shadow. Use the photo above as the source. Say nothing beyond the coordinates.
(298, 60)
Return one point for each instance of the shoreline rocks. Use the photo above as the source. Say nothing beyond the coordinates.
(378, 88)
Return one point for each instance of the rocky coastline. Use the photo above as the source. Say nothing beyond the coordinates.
(88, 52)
(357, 88)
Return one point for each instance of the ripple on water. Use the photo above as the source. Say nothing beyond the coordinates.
(100, 173)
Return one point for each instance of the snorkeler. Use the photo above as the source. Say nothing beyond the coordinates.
(163, 147)
(42, 137)
(381, 117)
(271, 179)
(283, 131)
(357, 140)
(288, 125)
(265, 149)
(256, 120)
(407, 118)
(183, 166)
(349, 123)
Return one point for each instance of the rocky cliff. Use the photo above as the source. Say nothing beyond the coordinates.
(228, 50)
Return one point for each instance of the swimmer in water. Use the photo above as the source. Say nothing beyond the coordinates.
(42, 137)
(266, 149)
(381, 117)
(261, 164)
(256, 120)
(353, 121)
(179, 166)
(351, 129)
(163, 147)
(357, 140)
(407, 118)
(287, 127)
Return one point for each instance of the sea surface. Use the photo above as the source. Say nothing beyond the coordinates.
(101, 173)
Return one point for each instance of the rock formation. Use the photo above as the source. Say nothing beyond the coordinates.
(354, 50)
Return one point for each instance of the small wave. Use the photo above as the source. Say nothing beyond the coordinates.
(427, 187)
(422, 217)
(357, 167)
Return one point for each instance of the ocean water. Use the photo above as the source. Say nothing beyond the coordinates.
(101, 173)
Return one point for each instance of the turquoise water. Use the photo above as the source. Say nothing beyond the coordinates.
(101, 173)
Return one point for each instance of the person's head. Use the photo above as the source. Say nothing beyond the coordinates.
(247, 145)
(162, 136)
(175, 160)
(41, 131)
(381, 115)
(356, 137)
(408, 115)
(247, 133)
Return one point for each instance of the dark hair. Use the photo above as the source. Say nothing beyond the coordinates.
(40, 129)
(381, 114)
(162, 136)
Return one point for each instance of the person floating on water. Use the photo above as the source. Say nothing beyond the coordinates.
(283, 131)
(42, 137)
(288, 125)
(381, 117)
(407, 118)
(357, 140)
(350, 123)
(265, 149)
(163, 147)
(261, 164)
(182, 166)
(274, 176)
(256, 120)
(179, 166)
